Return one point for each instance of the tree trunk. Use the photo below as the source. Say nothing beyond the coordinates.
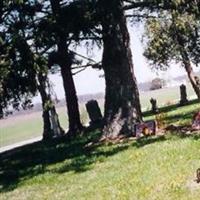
(194, 80)
(65, 63)
(75, 125)
(122, 105)
(51, 124)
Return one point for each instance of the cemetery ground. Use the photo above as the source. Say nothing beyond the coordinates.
(154, 167)
(24, 127)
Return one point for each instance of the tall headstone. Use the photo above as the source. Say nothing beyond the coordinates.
(154, 107)
(183, 93)
(94, 112)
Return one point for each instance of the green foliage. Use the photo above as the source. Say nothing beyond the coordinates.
(166, 37)
(18, 84)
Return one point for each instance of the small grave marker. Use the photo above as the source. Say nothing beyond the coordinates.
(145, 128)
(154, 107)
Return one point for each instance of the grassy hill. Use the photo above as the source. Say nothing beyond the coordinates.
(153, 168)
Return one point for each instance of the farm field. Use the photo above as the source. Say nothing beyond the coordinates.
(19, 128)
(152, 168)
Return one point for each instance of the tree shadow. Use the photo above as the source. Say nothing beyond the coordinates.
(141, 142)
(175, 118)
(34, 159)
(76, 155)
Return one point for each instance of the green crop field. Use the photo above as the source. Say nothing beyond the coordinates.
(152, 168)
(29, 126)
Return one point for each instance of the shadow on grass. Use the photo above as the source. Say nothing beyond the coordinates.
(148, 140)
(179, 117)
(36, 159)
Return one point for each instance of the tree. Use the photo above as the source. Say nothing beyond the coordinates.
(51, 124)
(177, 42)
(157, 83)
(65, 63)
(16, 86)
(122, 105)
(19, 29)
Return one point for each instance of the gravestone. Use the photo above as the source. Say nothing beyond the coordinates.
(154, 107)
(94, 112)
(183, 93)
(145, 128)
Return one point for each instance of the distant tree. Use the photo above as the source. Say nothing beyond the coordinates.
(173, 37)
(157, 83)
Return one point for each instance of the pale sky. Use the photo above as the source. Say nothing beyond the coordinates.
(88, 81)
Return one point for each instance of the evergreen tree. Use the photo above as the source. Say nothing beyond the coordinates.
(19, 29)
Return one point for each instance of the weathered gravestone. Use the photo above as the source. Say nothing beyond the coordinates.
(94, 112)
(154, 107)
(145, 128)
(183, 93)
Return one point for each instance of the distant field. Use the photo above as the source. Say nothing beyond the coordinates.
(20, 128)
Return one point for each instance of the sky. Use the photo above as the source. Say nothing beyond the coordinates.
(89, 82)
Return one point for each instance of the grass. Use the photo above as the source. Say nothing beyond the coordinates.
(31, 127)
(16, 133)
(153, 168)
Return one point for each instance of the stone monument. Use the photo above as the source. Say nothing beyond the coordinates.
(94, 112)
(183, 94)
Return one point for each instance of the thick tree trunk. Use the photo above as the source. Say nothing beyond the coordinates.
(122, 105)
(51, 124)
(65, 63)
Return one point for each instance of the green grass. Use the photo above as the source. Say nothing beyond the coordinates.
(32, 127)
(164, 96)
(20, 131)
(154, 168)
